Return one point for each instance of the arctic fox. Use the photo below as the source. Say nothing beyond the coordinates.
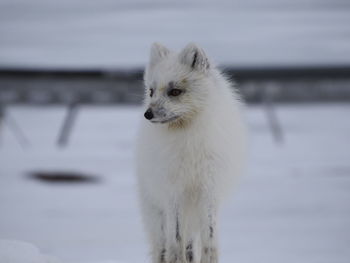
(189, 150)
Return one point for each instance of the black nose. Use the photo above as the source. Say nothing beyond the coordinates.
(149, 114)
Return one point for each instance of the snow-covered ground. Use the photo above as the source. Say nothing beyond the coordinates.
(117, 34)
(21, 252)
(291, 206)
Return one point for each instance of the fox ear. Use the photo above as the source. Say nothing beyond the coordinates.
(195, 57)
(158, 52)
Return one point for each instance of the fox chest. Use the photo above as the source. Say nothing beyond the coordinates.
(182, 166)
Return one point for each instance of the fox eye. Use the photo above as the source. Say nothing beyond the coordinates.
(151, 92)
(174, 92)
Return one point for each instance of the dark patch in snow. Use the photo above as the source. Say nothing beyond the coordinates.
(63, 177)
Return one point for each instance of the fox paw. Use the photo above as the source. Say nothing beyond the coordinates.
(174, 255)
(209, 255)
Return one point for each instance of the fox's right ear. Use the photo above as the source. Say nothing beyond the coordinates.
(158, 52)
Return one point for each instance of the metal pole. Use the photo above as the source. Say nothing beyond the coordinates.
(67, 125)
(14, 127)
(274, 124)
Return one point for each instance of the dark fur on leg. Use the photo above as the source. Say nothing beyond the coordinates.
(189, 253)
(162, 256)
(178, 237)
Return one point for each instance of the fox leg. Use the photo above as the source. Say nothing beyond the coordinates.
(191, 236)
(174, 235)
(154, 221)
(208, 231)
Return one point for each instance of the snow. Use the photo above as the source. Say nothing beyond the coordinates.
(12, 251)
(21, 252)
(118, 34)
(292, 205)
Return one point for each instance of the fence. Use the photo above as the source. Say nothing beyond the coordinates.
(73, 88)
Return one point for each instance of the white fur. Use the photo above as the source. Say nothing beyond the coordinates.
(185, 168)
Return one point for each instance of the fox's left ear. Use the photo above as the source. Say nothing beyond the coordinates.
(195, 57)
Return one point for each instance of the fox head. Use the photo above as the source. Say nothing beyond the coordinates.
(176, 84)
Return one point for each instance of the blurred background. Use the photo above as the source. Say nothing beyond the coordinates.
(70, 96)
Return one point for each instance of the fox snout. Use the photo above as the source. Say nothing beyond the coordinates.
(158, 114)
(149, 114)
